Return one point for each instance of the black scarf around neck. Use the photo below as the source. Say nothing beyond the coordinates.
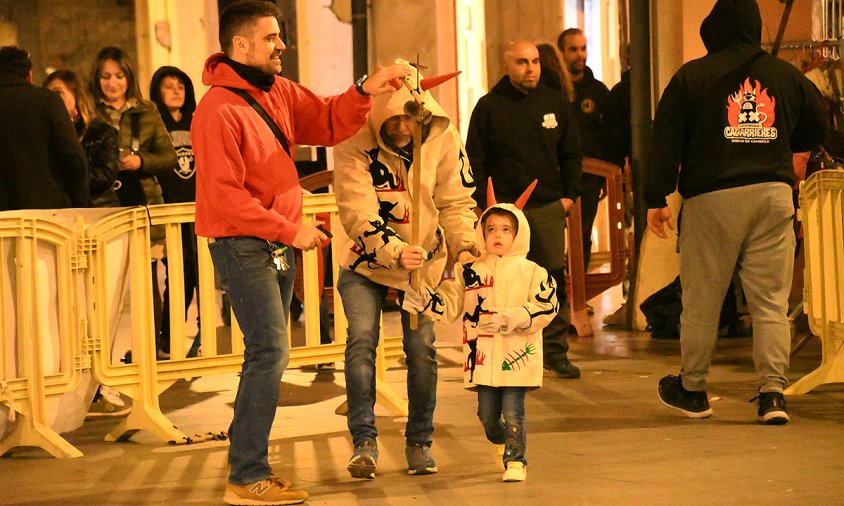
(256, 77)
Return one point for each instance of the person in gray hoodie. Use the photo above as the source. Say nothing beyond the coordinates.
(731, 120)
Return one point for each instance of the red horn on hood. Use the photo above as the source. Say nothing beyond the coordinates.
(521, 201)
(490, 193)
(432, 82)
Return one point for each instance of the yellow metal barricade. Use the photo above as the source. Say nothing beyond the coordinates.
(822, 214)
(120, 279)
(145, 378)
(42, 325)
(96, 286)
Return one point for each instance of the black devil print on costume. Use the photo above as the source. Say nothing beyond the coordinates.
(466, 174)
(380, 232)
(472, 359)
(383, 179)
(547, 293)
(364, 257)
(385, 211)
(750, 115)
(389, 187)
(475, 286)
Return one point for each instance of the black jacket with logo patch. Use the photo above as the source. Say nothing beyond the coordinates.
(734, 117)
(515, 138)
(590, 100)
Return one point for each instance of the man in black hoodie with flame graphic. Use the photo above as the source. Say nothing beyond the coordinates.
(724, 134)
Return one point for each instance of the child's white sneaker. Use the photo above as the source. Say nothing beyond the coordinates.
(516, 471)
(499, 456)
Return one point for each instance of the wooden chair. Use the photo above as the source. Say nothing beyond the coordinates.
(582, 285)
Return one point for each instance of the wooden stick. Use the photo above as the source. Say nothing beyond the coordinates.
(415, 176)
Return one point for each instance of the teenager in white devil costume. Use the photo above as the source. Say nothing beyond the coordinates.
(505, 301)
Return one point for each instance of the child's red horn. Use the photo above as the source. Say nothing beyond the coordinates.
(490, 193)
(432, 82)
(521, 201)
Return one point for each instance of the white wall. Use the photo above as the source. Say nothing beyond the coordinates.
(190, 26)
(471, 58)
(325, 48)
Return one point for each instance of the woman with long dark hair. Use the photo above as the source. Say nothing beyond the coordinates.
(98, 138)
(552, 72)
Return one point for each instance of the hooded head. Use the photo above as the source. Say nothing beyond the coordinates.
(503, 214)
(155, 90)
(520, 229)
(389, 105)
(731, 22)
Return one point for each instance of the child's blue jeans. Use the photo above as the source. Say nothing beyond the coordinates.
(502, 413)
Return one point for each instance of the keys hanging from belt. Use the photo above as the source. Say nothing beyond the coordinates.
(277, 251)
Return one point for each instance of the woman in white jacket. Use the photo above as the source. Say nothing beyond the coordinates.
(505, 301)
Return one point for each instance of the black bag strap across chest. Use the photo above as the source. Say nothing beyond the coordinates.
(264, 115)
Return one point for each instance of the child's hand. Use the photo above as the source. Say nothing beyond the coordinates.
(415, 301)
(506, 320)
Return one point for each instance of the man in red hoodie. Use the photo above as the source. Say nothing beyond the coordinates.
(249, 205)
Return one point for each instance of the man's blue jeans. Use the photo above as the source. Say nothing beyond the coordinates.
(260, 298)
(363, 301)
(495, 403)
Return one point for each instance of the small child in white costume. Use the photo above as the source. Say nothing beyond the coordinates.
(505, 301)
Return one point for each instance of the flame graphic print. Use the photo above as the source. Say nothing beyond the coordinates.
(751, 114)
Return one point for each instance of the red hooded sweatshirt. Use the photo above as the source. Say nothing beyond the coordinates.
(246, 184)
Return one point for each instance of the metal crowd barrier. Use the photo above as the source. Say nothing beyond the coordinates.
(40, 349)
(103, 268)
(822, 214)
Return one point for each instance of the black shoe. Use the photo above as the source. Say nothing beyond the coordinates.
(772, 408)
(563, 368)
(691, 404)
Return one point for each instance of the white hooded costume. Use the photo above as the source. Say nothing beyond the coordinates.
(372, 181)
(511, 281)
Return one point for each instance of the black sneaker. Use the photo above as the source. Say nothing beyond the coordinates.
(562, 368)
(362, 464)
(772, 408)
(691, 404)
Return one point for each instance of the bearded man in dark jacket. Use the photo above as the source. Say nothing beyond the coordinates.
(731, 120)
(590, 101)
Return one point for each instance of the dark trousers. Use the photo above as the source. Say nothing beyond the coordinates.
(592, 187)
(191, 277)
(548, 249)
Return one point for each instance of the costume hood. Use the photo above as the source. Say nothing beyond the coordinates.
(731, 22)
(387, 105)
(155, 89)
(521, 243)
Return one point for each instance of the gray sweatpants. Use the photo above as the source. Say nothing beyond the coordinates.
(747, 229)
